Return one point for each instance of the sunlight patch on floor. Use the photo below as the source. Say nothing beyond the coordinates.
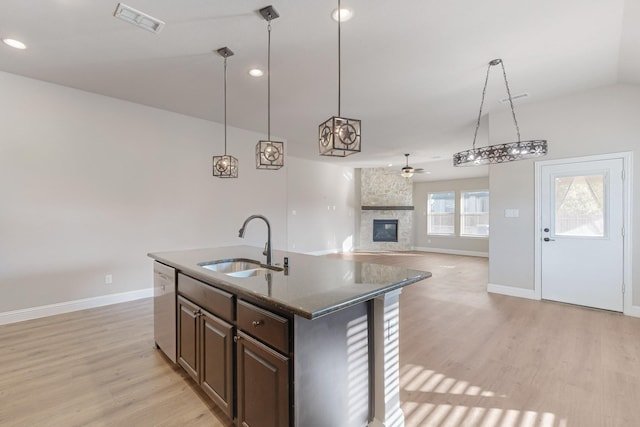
(417, 379)
(446, 415)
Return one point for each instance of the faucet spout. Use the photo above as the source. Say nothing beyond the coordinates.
(267, 249)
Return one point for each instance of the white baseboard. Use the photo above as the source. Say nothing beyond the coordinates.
(451, 251)
(69, 306)
(633, 311)
(325, 252)
(511, 291)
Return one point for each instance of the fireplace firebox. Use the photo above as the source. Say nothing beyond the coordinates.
(385, 230)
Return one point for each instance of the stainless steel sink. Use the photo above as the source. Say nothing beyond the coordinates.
(233, 265)
(249, 273)
(239, 267)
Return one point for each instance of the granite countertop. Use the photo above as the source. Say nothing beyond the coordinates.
(313, 285)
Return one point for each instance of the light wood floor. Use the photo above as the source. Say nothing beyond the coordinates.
(468, 358)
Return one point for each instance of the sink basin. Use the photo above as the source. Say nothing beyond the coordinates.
(231, 265)
(239, 267)
(249, 273)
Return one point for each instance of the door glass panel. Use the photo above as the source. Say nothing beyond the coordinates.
(580, 206)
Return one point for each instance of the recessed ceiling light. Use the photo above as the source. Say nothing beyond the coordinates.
(345, 14)
(390, 164)
(15, 43)
(256, 72)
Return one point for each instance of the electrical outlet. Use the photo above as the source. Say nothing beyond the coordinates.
(108, 279)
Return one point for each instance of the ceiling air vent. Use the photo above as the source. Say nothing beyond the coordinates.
(137, 18)
(514, 97)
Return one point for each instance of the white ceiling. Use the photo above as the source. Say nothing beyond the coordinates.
(412, 71)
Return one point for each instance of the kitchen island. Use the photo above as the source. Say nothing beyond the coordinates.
(310, 342)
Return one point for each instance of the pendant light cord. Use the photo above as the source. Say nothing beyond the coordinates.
(225, 105)
(484, 90)
(339, 25)
(513, 111)
(269, 82)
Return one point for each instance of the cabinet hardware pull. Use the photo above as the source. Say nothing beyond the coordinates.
(257, 323)
(236, 338)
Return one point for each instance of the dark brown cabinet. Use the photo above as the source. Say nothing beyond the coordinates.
(263, 385)
(188, 341)
(251, 380)
(263, 367)
(205, 351)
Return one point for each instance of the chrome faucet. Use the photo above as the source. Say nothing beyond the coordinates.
(267, 246)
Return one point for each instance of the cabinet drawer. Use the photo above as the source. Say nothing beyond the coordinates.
(264, 325)
(213, 300)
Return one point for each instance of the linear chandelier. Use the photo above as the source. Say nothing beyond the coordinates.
(269, 153)
(339, 136)
(500, 153)
(225, 166)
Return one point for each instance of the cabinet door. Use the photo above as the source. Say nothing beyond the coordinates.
(216, 353)
(188, 329)
(263, 385)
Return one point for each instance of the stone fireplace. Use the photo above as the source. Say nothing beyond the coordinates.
(387, 200)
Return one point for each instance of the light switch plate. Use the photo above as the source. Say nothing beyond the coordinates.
(511, 213)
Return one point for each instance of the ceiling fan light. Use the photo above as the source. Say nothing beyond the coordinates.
(407, 172)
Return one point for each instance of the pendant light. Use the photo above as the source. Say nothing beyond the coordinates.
(225, 166)
(500, 153)
(339, 136)
(269, 154)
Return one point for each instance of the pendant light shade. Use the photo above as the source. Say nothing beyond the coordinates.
(225, 166)
(339, 136)
(500, 153)
(269, 153)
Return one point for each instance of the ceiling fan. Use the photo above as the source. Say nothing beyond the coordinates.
(408, 171)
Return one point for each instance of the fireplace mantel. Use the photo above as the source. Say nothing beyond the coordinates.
(387, 208)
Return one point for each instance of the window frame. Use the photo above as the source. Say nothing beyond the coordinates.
(441, 214)
(462, 215)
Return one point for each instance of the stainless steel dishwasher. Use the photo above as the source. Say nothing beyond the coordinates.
(164, 309)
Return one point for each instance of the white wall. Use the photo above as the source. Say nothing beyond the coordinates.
(600, 121)
(321, 207)
(447, 244)
(89, 185)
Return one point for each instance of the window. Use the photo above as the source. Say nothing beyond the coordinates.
(474, 213)
(441, 208)
(579, 211)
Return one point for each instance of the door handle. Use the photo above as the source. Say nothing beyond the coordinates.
(546, 239)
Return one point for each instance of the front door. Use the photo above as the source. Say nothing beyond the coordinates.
(582, 233)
